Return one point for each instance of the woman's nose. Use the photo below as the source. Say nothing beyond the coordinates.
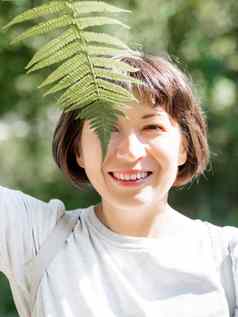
(131, 148)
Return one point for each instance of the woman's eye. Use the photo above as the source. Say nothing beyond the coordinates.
(154, 127)
(115, 129)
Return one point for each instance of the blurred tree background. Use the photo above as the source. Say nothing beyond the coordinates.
(202, 38)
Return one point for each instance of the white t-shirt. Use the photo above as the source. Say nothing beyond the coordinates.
(101, 273)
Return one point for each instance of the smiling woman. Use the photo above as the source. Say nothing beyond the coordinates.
(132, 254)
(165, 86)
(160, 142)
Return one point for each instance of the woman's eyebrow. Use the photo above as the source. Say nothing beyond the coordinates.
(149, 115)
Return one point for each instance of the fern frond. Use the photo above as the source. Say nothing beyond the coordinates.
(103, 73)
(104, 62)
(104, 38)
(53, 46)
(76, 100)
(63, 70)
(69, 36)
(77, 97)
(83, 90)
(76, 88)
(94, 50)
(85, 7)
(74, 62)
(104, 84)
(45, 27)
(87, 22)
(102, 117)
(117, 98)
(65, 53)
(87, 73)
(87, 99)
(45, 9)
(80, 72)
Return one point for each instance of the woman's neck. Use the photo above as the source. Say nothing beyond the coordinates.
(137, 222)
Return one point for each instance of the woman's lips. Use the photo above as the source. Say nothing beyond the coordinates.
(130, 183)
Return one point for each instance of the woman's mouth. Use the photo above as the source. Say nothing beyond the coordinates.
(130, 179)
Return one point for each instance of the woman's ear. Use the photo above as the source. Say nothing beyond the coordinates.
(183, 152)
(80, 160)
(79, 157)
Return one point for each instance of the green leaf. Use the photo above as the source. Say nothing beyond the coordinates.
(112, 63)
(77, 74)
(64, 69)
(75, 104)
(53, 46)
(75, 89)
(94, 50)
(102, 117)
(105, 84)
(104, 38)
(103, 73)
(44, 27)
(87, 71)
(85, 7)
(117, 98)
(63, 54)
(87, 22)
(45, 9)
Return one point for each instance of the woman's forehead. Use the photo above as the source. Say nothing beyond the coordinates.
(142, 110)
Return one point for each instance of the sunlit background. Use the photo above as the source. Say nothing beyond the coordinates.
(202, 38)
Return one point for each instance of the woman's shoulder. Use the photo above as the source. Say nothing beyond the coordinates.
(227, 233)
(10, 196)
(23, 215)
(25, 224)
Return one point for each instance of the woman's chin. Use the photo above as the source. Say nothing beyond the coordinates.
(143, 199)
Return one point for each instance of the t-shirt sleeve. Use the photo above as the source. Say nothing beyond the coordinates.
(25, 223)
(231, 236)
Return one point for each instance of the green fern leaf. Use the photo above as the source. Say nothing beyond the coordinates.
(75, 98)
(45, 9)
(85, 7)
(77, 102)
(89, 73)
(104, 38)
(69, 36)
(104, 62)
(63, 70)
(105, 89)
(53, 46)
(71, 105)
(76, 88)
(45, 27)
(74, 93)
(65, 53)
(87, 22)
(103, 73)
(71, 78)
(104, 84)
(79, 72)
(94, 50)
(102, 118)
(114, 95)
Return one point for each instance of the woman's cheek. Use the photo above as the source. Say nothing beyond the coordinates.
(164, 151)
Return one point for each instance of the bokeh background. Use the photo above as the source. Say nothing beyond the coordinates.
(201, 36)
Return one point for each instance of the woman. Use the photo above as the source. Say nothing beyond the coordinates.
(132, 254)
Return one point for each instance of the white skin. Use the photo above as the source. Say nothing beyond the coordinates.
(152, 144)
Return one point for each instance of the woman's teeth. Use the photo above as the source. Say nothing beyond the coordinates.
(130, 177)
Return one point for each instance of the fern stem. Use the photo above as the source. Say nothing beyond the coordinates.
(84, 45)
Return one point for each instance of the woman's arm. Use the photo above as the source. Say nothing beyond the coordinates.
(25, 222)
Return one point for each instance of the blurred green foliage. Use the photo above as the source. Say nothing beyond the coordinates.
(202, 38)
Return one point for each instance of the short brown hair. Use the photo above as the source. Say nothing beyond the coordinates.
(168, 87)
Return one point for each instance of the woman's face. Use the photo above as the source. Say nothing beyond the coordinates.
(142, 160)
